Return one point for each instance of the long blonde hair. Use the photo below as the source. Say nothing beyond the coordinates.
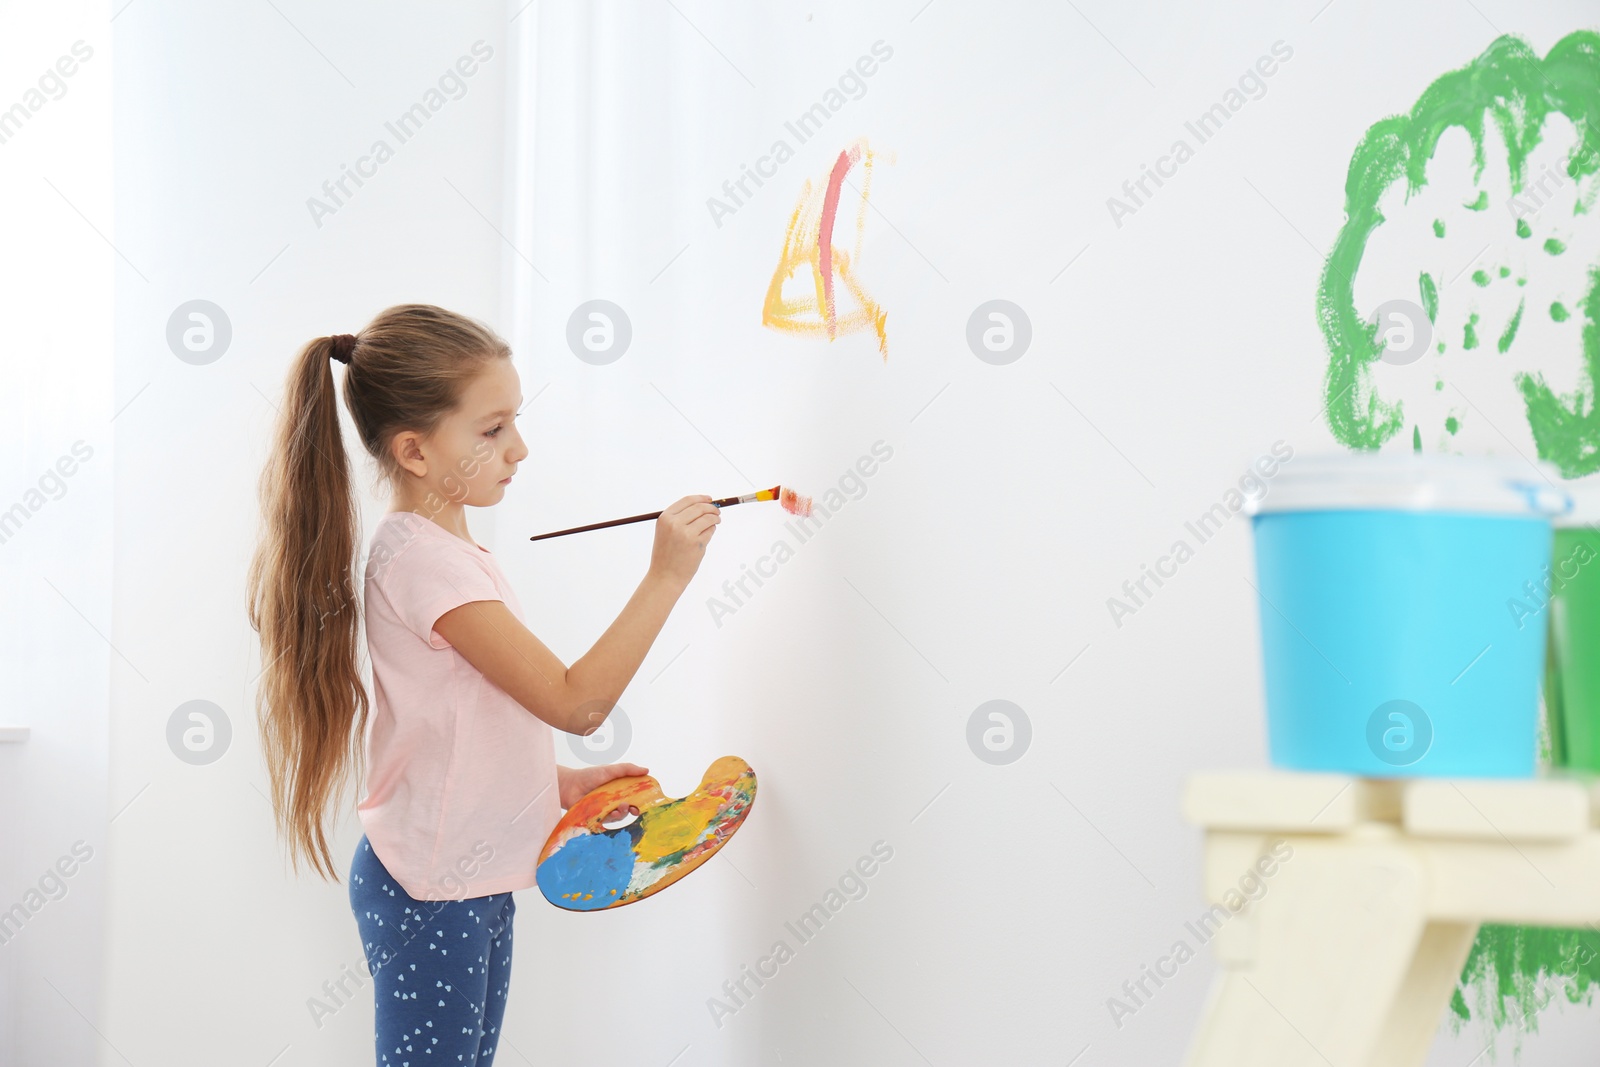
(406, 371)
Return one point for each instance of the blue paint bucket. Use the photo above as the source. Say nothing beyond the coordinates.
(1384, 584)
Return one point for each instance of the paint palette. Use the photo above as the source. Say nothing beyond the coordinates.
(587, 866)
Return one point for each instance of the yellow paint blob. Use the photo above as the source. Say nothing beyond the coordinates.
(675, 827)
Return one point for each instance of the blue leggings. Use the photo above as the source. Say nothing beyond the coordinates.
(433, 1007)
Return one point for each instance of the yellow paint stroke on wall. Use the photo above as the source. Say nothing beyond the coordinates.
(813, 306)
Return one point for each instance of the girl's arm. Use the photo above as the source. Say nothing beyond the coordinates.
(579, 698)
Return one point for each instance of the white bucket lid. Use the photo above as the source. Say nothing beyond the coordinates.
(1410, 481)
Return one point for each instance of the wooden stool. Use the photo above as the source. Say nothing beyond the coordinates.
(1353, 942)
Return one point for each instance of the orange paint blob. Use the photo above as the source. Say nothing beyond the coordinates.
(794, 503)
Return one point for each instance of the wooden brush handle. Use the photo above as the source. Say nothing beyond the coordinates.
(727, 501)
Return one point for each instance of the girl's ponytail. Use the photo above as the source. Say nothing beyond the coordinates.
(303, 603)
(405, 370)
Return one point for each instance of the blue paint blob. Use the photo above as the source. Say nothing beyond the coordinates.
(590, 866)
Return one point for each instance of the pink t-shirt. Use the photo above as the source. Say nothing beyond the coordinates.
(461, 779)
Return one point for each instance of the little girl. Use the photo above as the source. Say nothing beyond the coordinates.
(462, 787)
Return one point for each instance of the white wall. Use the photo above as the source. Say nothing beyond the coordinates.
(1168, 354)
(1172, 351)
(61, 655)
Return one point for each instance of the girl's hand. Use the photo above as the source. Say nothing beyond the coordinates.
(682, 532)
(575, 782)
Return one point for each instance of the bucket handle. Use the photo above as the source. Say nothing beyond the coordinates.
(1544, 498)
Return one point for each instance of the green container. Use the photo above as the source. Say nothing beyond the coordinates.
(1572, 653)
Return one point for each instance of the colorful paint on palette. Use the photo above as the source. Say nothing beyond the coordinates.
(1508, 88)
(815, 307)
(587, 866)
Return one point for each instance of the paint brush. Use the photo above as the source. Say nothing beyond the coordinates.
(792, 502)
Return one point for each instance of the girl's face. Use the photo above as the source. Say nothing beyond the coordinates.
(471, 456)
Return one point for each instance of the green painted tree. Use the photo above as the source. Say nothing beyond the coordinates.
(1513, 972)
(1510, 86)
